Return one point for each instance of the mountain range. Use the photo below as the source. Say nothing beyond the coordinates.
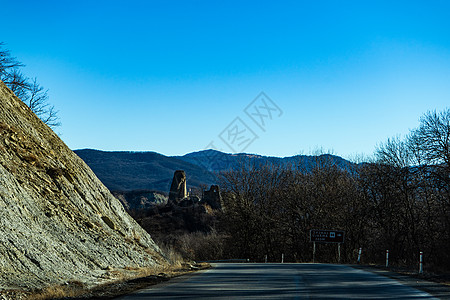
(127, 171)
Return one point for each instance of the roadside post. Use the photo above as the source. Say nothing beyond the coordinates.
(387, 258)
(421, 262)
(282, 258)
(265, 259)
(359, 255)
(314, 252)
(339, 253)
(326, 236)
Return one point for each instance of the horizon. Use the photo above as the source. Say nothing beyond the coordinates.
(278, 79)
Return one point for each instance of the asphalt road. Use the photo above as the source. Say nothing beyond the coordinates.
(282, 281)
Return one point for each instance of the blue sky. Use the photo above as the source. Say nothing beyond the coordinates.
(173, 76)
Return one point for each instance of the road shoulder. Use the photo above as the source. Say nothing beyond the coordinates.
(439, 290)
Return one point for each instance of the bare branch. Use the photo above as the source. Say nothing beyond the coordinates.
(7, 62)
(433, 137)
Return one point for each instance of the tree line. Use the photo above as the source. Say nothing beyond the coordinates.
(27, 89)
(399, 201)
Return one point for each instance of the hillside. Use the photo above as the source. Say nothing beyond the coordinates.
(130, 171)
(126, 171)
(216, 161)
(140, 199)
(58, 222)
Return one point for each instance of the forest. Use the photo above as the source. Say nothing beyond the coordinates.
(398, 201)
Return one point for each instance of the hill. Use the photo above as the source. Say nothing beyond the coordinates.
(130, 171)
(216, 161)
(127, 171)
(58, 223)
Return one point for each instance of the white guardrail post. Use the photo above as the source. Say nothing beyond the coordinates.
(359, 255)
(420, 262)
(339, 253)
(387, 258)
(314, 252)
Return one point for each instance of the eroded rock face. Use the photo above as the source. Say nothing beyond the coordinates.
(213, 197)
(178, 188)
(58, 222)
(140, 199)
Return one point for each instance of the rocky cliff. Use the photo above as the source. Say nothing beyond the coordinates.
(58, 222)
(141, 199)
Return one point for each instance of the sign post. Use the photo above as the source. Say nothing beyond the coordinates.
(326, 236)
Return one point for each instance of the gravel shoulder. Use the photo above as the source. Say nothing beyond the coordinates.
(116, 290)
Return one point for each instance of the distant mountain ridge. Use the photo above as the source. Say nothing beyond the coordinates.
(216, 161)
(128, 171)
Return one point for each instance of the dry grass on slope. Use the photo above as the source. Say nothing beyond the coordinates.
(125, 281)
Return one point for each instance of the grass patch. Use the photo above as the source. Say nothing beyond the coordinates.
(123, 281)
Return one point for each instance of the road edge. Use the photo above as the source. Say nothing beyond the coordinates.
(435, 289)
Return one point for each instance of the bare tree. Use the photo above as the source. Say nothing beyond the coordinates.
(433, 137)
(270, 208)
(29, 91)
(37, 100)
(394, 152)
(7, 62)
(18, 83)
